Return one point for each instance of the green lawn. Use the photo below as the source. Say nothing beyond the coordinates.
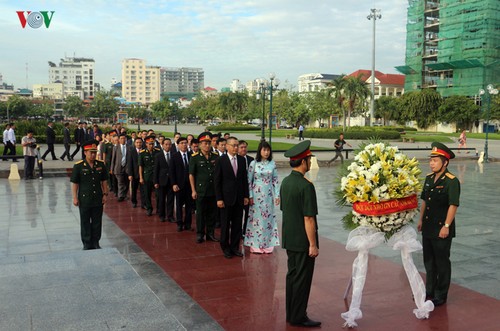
(447, 137)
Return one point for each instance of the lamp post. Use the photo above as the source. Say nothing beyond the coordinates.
(273, 85)
(176, 108)
(490, 90)
(374, 15)
(261, 93)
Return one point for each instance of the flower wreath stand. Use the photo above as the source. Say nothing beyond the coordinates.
(382, 185)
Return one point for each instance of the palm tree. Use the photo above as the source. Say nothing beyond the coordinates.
(338, 94)
(356, 91)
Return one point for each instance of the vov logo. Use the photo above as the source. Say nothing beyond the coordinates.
(35, 19)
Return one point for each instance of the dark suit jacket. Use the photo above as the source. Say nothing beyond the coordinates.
(67, 136)
(228, 187)
(132, 162)
(178, 174)
(78, 135)
(249, 159)
(51, 135)
(161, 170)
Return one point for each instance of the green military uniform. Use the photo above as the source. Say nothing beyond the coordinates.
(202, 168)
(298, 199)
(147, 162)
(90, 194)
(438, 194)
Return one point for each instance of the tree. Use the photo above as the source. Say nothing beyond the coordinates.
(386, 107)
(103, 105)
(338, 95)
(136, 111)
(161, 109)
(356, 92)
(422, 107)
(298, 112)
(73, 106)
(18, 106)
(319, 104)
(459, 109)
(44, 109)
(495, 107)
(233, 105)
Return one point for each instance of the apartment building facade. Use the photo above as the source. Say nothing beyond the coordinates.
(140, 82)
(76, 75)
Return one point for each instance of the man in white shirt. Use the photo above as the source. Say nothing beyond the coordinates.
(5, 140)
(11, 136)
(29, 152)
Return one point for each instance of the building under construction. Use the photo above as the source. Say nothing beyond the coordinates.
(452, 46)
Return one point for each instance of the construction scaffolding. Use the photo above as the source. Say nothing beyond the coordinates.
(452, 46)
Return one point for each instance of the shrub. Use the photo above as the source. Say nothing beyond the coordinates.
(228, 127)
(355, 133)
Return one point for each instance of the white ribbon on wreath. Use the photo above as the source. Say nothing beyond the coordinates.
(364, 238)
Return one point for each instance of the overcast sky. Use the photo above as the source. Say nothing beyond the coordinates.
(228, 39)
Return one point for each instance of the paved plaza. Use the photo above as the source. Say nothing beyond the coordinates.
(149, 277)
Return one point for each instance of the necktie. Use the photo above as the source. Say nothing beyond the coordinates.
(235, 166)
(167, 157)
(185, 160)
(123, 155)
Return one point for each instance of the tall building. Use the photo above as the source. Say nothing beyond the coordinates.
(140, 83)
(452, 46)
(314, 82)
(48, 91)
(181, 82)
(76, 74)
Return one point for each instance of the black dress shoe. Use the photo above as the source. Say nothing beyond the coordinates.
(228, 255)
(438, 302)
(238, 253)
(162, 219)
(199, 239)
(149, 212)
(308, 323)
(134, 205)
(43, 159)
(188, 228)
(211, 237)
(171, 220)
(62, 158)
(143, 206)
(120, 199)
(55, 159)
(179, 228)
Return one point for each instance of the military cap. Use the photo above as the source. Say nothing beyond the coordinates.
(150, 139)
(299, 151)
(90, 145)
(439, 149)
(205, 136)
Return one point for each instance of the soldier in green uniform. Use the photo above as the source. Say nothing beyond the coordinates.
(201, 178)
(299, 234)
(146, 171)
(440, 200)
(90, 190)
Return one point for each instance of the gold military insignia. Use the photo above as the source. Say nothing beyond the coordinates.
(450, 176)
(79, 162)
(194, 154)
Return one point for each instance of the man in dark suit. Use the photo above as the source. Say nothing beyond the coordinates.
(119, 167)
(242, 151)
(133, 170)
(51, 140)
(179, 178)
(162, 182)
(66, 142)
(231, 191)
(78, 138)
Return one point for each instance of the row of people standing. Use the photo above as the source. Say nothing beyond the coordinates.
(9, 141)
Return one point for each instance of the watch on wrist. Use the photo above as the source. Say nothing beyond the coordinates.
(446, 225)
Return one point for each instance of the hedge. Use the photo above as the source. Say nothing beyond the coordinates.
(355, 133)
(228, 127)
